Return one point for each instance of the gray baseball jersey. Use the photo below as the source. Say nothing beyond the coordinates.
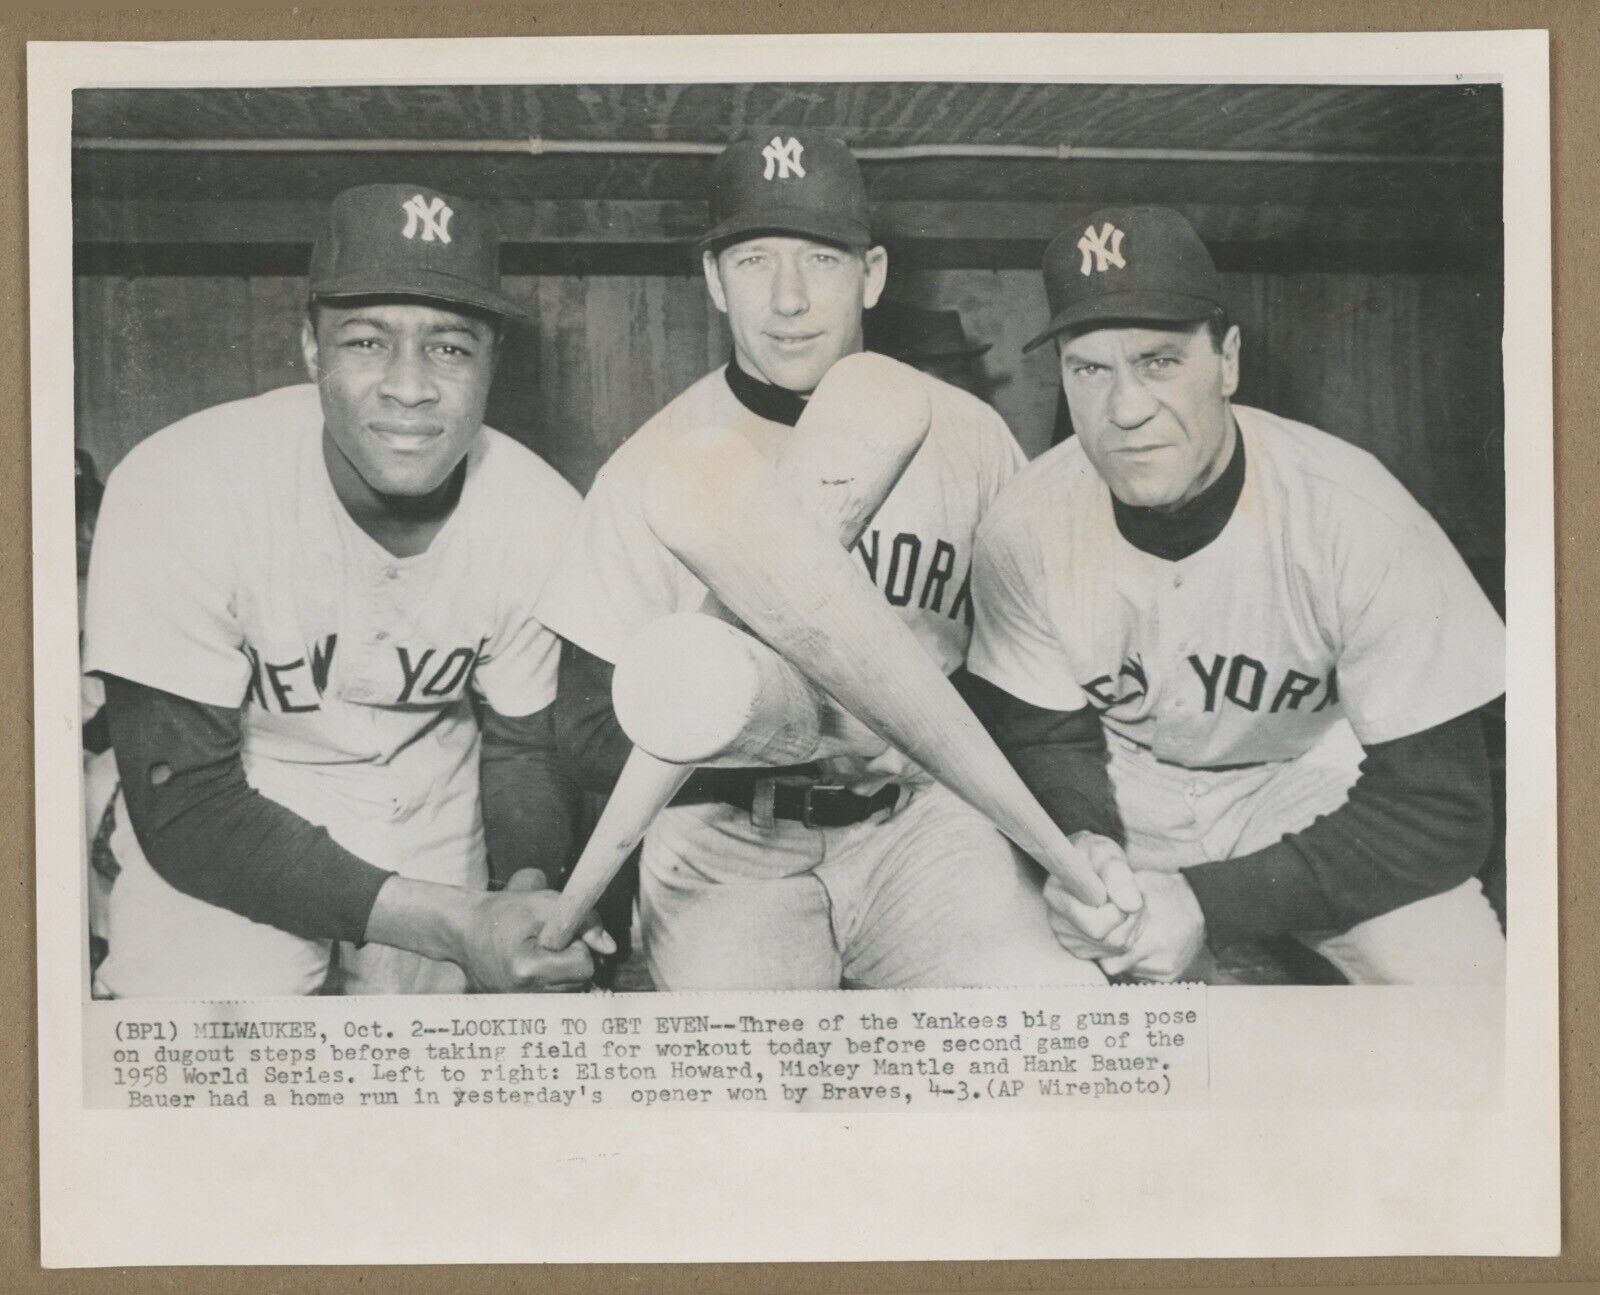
(1330, 595)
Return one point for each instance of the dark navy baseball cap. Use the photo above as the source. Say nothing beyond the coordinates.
(412, 241)
(1133, 264)
(794, 182)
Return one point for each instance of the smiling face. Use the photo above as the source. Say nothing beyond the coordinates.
(404, 385)
(1151, 408)
(793, 306)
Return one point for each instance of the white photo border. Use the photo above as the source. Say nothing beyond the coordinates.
(422, 1187)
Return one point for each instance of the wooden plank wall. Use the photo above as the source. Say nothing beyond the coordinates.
(1406, 365)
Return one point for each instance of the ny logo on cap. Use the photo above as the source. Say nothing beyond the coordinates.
(783, 159)
(433, 217)
(1105, 248)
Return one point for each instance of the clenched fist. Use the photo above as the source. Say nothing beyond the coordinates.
(501, 946)
(1107, 930)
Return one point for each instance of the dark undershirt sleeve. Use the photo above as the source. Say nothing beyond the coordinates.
(1419, 822)
(531, 806)
(594, 746)
(209, 834)
(1059, 755)
(587, 731)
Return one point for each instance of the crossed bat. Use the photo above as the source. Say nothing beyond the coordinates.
(794, 650)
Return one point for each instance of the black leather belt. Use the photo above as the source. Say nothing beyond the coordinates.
(813, 803)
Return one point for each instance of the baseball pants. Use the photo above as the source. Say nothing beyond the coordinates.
(930, 895)
(163, 943)
(1177, 817)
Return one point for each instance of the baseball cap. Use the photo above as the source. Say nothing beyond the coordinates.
(791, 182)
(1128, 263)
(409, 240)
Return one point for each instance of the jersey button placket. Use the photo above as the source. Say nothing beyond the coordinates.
(1178, 642)
(382, 615)
(384, 602)
(376, 606)
(357, 666)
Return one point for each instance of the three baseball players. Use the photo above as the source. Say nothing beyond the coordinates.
(1229, 654)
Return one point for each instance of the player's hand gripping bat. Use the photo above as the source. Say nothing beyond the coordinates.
(802, 595)
(725, 513)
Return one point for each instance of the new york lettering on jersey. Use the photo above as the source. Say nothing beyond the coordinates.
(917, 549)
(325, 639)
(1214, 660)
(931, 575)
(1210, 708)
(1241, 680)
(359, 625)
(1304, 613)
(1250, 649)
(416, 676)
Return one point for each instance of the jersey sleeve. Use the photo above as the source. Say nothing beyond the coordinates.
(516, 674)
(161, 608)
(1420, 642)
(516, 670)
(614, 575)
(1014, 645)
(1000, 457)
(1009, 458)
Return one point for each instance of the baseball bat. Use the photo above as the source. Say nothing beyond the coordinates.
(860, 430)
(693, 689)
(794, 588)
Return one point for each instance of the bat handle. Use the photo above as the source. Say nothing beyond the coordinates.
(647, 784)
(645, 787)
(1081, 881)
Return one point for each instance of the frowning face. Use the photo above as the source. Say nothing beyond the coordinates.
(1151, 408)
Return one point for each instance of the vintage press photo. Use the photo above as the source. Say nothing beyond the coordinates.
(623, 592)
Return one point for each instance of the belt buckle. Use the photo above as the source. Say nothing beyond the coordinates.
(806, 802)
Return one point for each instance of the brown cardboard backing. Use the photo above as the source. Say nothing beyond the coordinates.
(1575, 47)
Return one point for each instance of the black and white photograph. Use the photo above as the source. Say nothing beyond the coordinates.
(1190, 485)
(1029, 550)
